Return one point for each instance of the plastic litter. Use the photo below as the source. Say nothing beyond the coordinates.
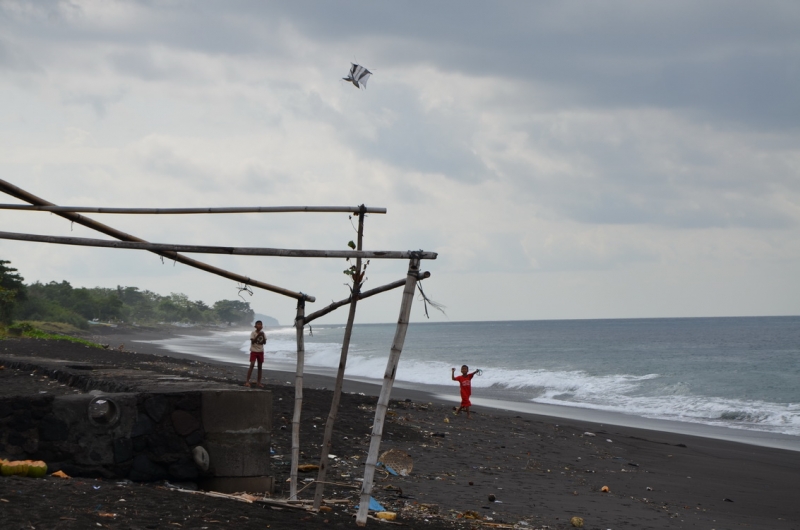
(374, 506)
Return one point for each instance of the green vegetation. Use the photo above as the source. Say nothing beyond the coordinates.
(27, 329)
(12, 291)
(60, 302)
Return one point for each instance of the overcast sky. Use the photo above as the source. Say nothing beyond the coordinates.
(565, 159)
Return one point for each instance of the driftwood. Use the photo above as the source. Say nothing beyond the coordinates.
(21, 194)
(240, 498)
(164, 248)
(386, 390)
(174, 211)
(358, 278)
(298, 398)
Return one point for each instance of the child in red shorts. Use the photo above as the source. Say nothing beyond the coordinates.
(465, 380)
(257, 341)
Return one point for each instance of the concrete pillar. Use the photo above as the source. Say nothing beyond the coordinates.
(238, 426)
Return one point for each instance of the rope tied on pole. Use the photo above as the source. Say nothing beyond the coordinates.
(425, 301)
(245, 288)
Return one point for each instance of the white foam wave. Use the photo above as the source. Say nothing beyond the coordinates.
(647, 395)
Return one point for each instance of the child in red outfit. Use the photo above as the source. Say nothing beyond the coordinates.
(465, 380)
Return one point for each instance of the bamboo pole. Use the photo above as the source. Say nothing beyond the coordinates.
(21, 194)
(165, 248)
(358, 280)
(298, 398)
(365, 294)
(178, 211)
(386, 390)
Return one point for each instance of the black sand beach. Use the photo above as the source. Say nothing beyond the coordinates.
(541, 471)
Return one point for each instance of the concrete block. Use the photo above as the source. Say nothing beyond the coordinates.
(237, 411)
(238, 426)
(238, 455)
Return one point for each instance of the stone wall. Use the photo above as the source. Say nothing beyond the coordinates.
(140, 436)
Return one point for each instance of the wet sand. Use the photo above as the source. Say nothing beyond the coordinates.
(540, 470)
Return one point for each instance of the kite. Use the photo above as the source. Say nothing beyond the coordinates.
(358, 75)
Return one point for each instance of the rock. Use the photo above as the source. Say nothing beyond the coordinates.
(142, 426)
(577, 522)
(156, 406)
(200, 456)
(492, 498)
(143, 470)
(195, 437)
(184, 422)
(605, 489)
(123, 450)
(51, 429)
(189, 402)
(184, 469)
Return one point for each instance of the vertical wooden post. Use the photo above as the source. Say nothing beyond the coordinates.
(386, 389)
(337, 391)
(298, 397)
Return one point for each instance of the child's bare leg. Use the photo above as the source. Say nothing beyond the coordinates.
(258, 381)
(249, 373)
(468, 415)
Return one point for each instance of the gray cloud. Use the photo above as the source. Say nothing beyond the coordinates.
(673, 122)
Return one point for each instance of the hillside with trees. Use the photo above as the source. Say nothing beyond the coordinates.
(61, 302)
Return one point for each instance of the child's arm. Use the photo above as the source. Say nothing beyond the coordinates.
(453, 375)
(475, 372)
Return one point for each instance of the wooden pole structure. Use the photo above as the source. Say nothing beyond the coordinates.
(358, 279)
(178, 211)
(164, 248)
(365, 294)
(386, 390)
(298, 398)
(21, 194)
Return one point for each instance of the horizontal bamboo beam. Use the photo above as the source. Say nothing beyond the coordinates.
(204, 249)
(366, 294)
(19, 193)
(174, 211)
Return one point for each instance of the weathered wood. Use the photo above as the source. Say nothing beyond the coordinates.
(386, 390)
(358, 278)
(163, 248)
(21, 194)
(179, 211)
(366, 294)
(298, 398)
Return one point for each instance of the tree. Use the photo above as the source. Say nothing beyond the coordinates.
(12, 291)
(234, 312)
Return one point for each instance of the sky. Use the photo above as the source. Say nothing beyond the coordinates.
(567, 160)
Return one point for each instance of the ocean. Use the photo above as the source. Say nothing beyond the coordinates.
(706, 376)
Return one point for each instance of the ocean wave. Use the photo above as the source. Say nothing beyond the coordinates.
(649, 395)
